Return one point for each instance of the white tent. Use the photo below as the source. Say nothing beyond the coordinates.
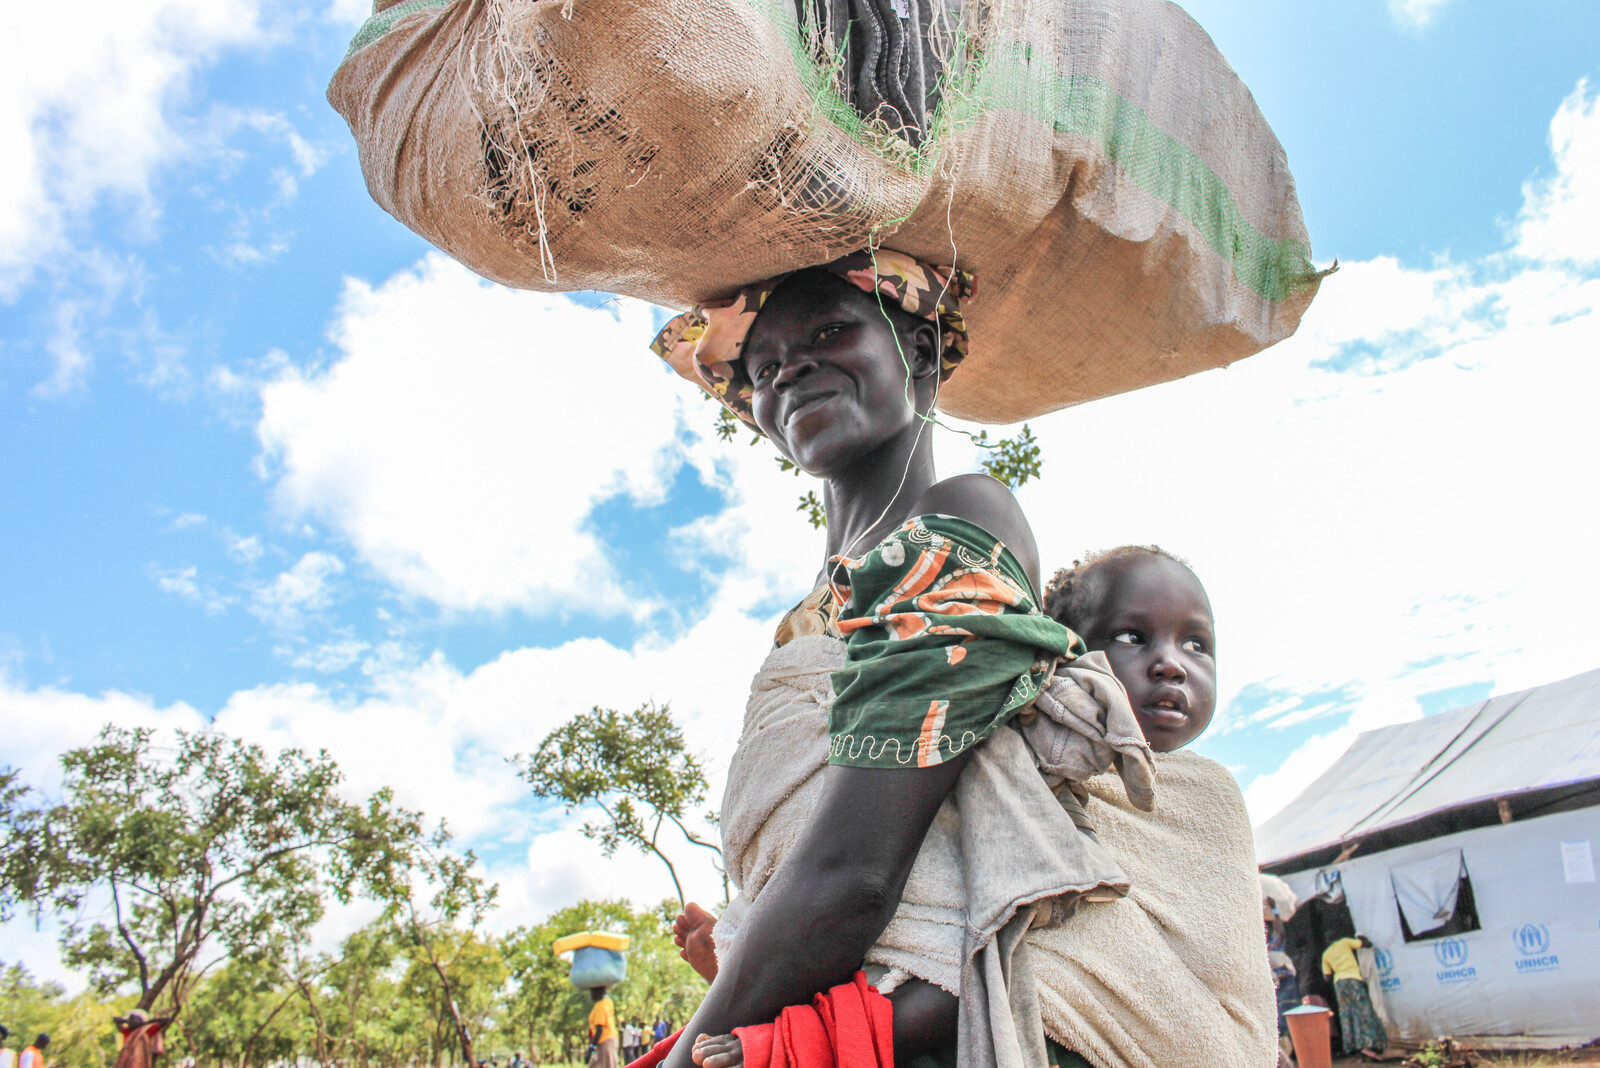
(1464, 847)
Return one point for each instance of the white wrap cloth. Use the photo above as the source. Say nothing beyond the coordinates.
(1002, 855)
(1175, 974)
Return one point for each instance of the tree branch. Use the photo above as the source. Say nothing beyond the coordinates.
(122, 929)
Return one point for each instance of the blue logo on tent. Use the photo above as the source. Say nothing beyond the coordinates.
(1385, 961)
(1532, 939)
(1451, 952)
(1533, 942)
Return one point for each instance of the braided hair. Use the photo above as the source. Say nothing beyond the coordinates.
(1073, 594)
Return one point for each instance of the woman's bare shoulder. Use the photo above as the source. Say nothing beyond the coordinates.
(990, 504)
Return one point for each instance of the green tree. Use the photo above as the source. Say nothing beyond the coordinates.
(636, 768)
(543, 1007)
(1014, 461)
(426, 890)
(79, 1027)
(155, 854)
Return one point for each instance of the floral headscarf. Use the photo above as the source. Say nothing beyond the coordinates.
(706, 343)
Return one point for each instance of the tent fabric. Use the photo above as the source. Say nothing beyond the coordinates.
(1531, 740)
(1526, 977)
(1427, 889)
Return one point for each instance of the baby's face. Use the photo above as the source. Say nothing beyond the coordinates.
(1154, 624)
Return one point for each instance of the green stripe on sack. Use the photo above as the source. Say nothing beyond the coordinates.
(1159, 163)
(381, 23)
(1162, 165)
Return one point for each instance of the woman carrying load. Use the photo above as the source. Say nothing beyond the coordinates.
(927, 607)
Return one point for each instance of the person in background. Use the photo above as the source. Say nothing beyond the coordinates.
(1358, 1022)
(140, 1038)
(8, 1056)
(662, 1029)
(1285, 983)
(33, 1056)
(602, 1030)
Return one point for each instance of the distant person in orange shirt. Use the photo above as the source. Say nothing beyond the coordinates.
(33, 1056)
(602, 1030)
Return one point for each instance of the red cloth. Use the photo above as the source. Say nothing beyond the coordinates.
(658, 1052)
(851, 1026)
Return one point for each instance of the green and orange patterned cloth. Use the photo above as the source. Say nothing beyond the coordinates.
(706, 343)
(944, 643)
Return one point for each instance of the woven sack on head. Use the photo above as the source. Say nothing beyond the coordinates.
(1098, 165)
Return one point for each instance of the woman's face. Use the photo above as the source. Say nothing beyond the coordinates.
(832, 373)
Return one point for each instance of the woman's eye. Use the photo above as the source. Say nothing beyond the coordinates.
(829, 332)
(764, 372)
(1128, 637)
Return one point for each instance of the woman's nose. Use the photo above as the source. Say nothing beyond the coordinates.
(793, 368)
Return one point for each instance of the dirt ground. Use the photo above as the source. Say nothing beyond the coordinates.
(1490, 1059)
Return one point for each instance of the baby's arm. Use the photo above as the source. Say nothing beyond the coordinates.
(692, 934)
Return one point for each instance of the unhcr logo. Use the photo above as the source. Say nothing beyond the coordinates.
(1533, 942)
(1452, 954)
(1387, 980)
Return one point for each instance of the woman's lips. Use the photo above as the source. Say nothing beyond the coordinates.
(804, 404)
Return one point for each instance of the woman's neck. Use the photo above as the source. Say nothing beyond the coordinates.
(876, 494)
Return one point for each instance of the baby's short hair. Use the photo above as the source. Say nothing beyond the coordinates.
(1073, 593)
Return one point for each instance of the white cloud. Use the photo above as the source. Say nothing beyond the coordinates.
(466, 432)
(184, 583)
(1415, 14)
(351, 12)
(440, 737)
(1388, 504)
(243, 550)
(1560, 219)
(303, 589)
(87, 108)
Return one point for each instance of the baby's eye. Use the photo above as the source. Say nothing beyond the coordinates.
(1128, 637)
(1195, 645)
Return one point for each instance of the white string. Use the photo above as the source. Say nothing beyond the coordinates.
(905, 364)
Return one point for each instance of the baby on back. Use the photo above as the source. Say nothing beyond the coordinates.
(1147, 612)
(1150, 616)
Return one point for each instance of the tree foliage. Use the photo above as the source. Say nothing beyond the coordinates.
(1014, 461)
(426, 890)
(545, 1009)
(635, 767)
(155, 855)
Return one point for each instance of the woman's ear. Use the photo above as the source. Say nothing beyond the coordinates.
(922, 345)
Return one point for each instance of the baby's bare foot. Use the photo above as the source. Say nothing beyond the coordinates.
(718, 1051)
(692, 934)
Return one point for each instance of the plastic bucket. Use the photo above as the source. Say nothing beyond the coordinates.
(1308, 1029)
(593, 966)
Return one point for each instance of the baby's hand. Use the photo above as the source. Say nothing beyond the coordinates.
(718, 1051)
(692, 934)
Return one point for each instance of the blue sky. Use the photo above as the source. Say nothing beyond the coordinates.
(268, 461)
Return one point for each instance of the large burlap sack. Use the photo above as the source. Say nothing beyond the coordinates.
(1096, 163)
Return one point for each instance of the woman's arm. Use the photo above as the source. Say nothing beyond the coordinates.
(829, 900)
